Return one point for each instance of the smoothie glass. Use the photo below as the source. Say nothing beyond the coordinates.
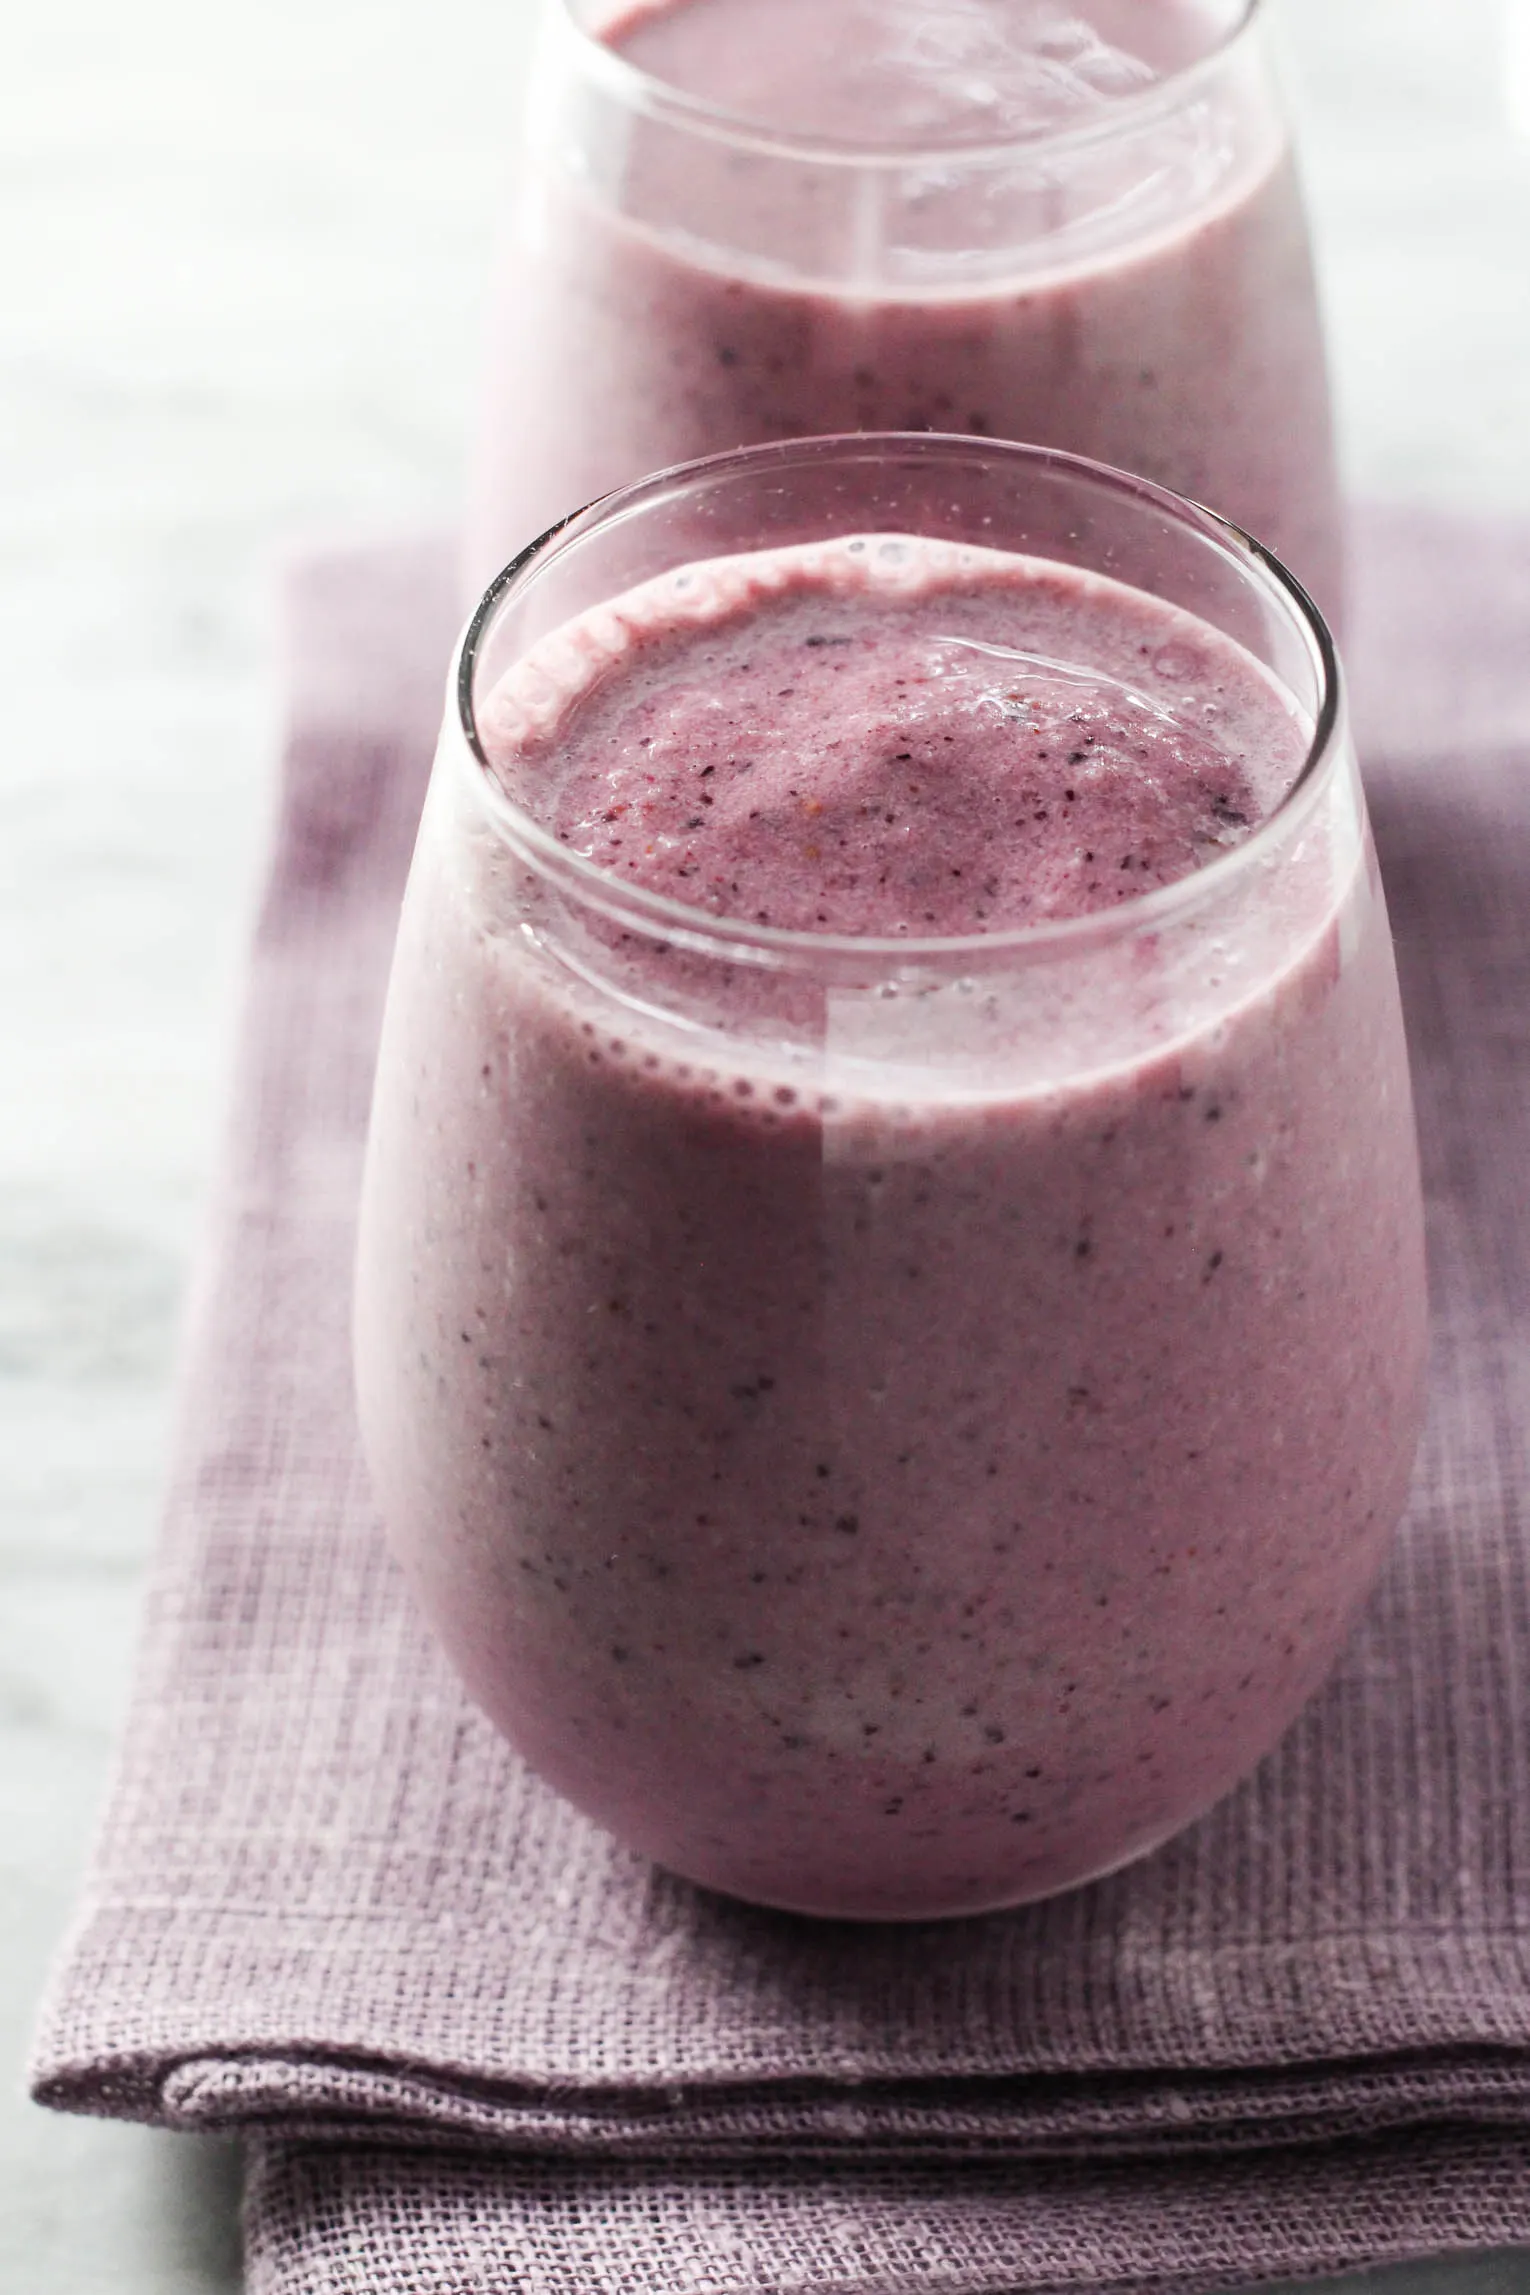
(1132, 282)
(892, 1427)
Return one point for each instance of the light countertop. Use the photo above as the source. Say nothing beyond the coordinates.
(243, 254)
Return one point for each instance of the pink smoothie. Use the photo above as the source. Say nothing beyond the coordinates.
(899, 1453)
(1146, 299)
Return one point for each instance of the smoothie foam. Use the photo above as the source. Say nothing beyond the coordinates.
(901, 73)
(875, 1473)
(887, 735)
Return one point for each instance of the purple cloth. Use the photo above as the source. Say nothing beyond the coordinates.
(476, 2046)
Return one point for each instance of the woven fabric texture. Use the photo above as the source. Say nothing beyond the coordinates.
(478, 2046)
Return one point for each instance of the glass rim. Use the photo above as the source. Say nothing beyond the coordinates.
(661, 914)
(645, 92)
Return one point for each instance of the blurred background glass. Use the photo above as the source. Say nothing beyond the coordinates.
(1135, 286)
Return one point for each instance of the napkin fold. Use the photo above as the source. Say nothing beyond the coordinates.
(477, 2046)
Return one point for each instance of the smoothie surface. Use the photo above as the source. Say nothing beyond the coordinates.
(885, 736)
(901, 72)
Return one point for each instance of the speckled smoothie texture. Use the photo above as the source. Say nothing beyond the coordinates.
(889, 1452)
(666, 295)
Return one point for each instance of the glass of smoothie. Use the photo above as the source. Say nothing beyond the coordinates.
(891, 1309)
(1074, 222)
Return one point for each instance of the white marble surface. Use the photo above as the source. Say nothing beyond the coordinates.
(242, 253)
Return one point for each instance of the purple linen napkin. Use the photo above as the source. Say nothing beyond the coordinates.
(480, 2047)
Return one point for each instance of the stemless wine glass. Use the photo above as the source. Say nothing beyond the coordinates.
(891, 1426)
(1132, 283)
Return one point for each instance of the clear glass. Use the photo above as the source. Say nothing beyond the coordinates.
(1138, 287)
(892, 1427)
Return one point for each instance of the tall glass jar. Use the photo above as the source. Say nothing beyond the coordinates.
(1131, 282)
(890, 1425)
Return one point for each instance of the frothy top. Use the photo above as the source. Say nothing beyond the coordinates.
(911, 72)
(888, 735)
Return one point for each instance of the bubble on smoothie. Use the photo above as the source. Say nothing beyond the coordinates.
(1023, 69)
